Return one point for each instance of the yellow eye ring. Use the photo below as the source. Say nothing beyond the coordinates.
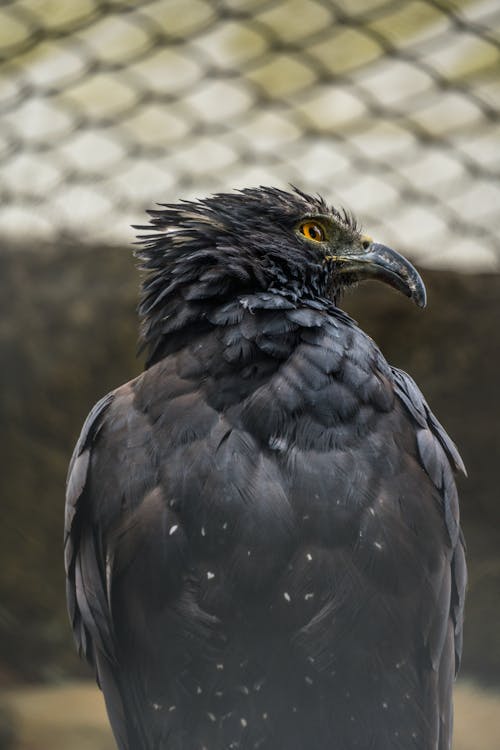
(313, 231)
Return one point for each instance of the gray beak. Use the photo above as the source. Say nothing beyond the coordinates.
(380, 262)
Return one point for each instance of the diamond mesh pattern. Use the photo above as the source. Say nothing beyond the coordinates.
(389, 108)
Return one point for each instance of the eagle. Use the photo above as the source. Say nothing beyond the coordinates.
(262, 538)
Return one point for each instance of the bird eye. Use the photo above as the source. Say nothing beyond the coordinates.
(312, 231)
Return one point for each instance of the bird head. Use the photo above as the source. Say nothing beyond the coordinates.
(262, 238)
(254, 240)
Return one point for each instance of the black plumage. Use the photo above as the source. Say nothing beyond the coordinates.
(262, 537)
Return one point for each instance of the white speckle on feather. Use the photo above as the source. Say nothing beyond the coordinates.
(249, 552)
(172, 708)
(264, 716)
(157, 706)
(294, 709)
(257, 685)
(287, 597)
(277, 443)
(224, 525)
(399, 664)
(203, 532)
(211, 716)
(220, 667)
(385, 705)
(309, 556)
(378, 545)
(244, 690)
(351, 717)
(210, 575)
(305, 518)
(311, 659)
(407, 696)
(199, 690)
(308, 596)
(173, 529)
(243, 721)
(414, 735)
(309, 680)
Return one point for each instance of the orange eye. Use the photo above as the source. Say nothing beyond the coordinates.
(313, 231)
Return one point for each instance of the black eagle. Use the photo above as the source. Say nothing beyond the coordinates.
(262, 531)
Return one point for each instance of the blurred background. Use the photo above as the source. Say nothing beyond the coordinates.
(388, 107)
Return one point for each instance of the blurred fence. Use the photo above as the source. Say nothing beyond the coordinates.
(389, 107)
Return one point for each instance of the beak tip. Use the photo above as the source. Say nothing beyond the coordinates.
(419, 295)
(421, 302)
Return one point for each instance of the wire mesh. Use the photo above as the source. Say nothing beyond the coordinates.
(389, 108)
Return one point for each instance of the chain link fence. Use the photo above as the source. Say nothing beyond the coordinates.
(388, 107)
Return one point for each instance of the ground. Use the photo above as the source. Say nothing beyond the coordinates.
(72, 716)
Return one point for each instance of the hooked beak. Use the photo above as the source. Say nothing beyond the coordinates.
(380, 262)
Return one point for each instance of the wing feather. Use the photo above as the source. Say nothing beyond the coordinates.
(86, 606)
(93, 505)
(121, 561)
(440, 459)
